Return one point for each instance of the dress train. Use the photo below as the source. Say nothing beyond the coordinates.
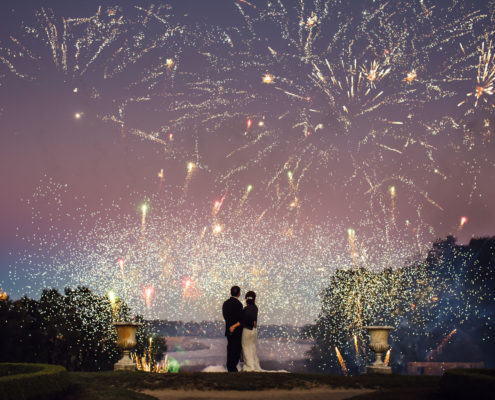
(251, 361)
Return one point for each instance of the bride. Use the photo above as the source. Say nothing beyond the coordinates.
(250, 334)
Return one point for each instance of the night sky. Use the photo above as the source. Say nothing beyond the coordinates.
(271, 142)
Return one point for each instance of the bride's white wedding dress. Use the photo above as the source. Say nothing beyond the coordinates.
(249, 354)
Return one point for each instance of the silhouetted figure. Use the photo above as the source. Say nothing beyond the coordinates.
(232, 313)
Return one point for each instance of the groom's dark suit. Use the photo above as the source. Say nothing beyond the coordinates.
(232, 311)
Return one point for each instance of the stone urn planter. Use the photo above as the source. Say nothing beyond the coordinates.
(126, 340)
(379, 344)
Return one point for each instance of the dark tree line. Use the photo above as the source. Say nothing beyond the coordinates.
(442, 309)
(73, 329)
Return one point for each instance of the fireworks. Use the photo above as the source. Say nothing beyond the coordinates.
(268, 79)
(341, 361)
(121, 263)
(144, 211)
(354, 92)
(440, 347)
(386, 361)
(189, 289)
(411, 76)
(190, 171)
(218, 205)
(485, 79)
(374, 73)
(112, 297)
(150, 271)
(393, 195)
(351, 237)
(162, 367)
(356, 347)
(244, 198)
(313, 116)
(148, 294)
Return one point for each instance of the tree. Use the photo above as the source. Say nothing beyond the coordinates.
(74, 330)
(449, 298)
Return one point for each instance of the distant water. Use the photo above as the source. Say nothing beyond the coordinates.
(273, 353)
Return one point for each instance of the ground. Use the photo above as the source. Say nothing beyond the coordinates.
(249, 386)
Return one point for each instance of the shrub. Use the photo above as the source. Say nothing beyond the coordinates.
(469, 383)
(12, 369)
(32, 381)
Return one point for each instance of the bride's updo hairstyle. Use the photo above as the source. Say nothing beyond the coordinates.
(250, 297)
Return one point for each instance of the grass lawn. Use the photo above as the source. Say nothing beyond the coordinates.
(122, 385)
(404, 393)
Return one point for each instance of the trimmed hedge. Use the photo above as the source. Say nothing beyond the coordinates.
(23, 381)
(13, 369)
(469, 383)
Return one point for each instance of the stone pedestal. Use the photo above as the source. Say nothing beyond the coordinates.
(371, 369)
(125, 363)
(126, 340)
(379, 344)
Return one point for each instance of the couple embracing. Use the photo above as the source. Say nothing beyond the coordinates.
(241, 330)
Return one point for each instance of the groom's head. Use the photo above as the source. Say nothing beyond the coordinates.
(235, 291)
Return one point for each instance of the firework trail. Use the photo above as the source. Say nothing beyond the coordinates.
(393, 195)
(351, 235)
(148, 294)
(462, 222)
(144, 212)
(386, 361)
(440, 347)
(356, 347)
(341, 361)
(191, 167)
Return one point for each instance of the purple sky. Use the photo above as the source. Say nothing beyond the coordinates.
(439, 159)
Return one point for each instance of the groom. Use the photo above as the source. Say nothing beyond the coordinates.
(232, 310)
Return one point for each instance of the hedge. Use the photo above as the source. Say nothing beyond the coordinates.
(23, 381)
(469, 383)
(13, 369)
